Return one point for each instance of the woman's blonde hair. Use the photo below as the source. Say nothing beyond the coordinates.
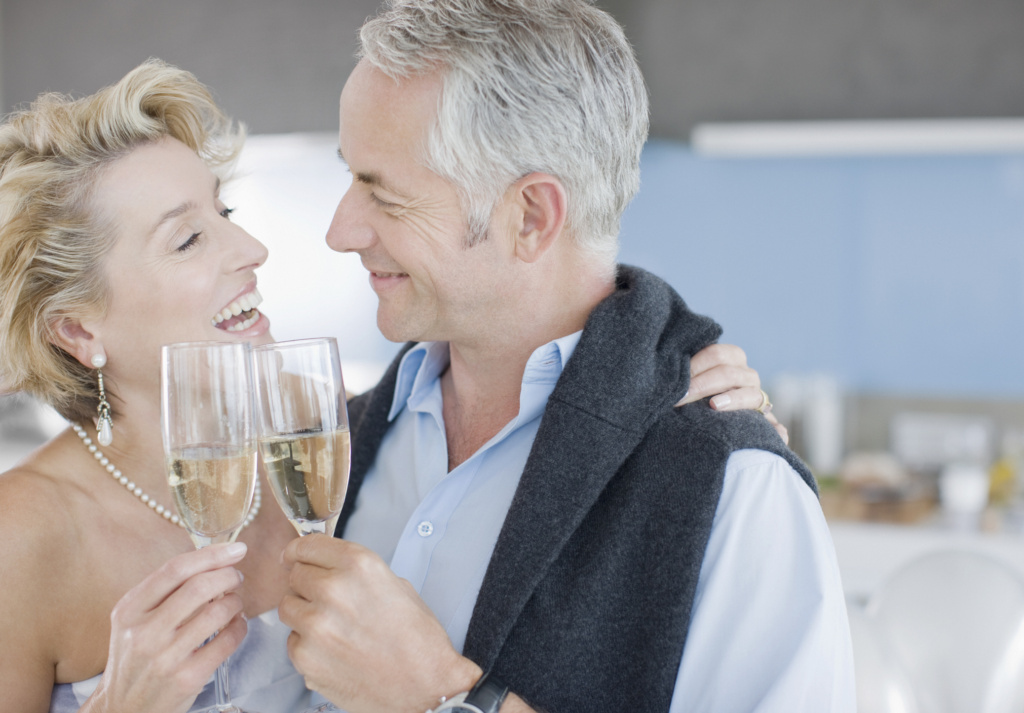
(51, 239)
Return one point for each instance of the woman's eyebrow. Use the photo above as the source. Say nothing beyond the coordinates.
(182, 209)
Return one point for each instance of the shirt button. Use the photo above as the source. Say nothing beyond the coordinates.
(425, 528)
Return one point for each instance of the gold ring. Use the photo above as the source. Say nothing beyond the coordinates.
(766, 404)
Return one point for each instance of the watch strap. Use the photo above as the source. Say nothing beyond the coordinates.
(488, 694)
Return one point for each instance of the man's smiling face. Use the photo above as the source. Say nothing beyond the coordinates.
(405, 221)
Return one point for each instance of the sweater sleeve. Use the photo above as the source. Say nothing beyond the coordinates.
(768, 628)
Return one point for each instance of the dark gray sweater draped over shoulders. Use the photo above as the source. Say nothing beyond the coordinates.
(586, 602)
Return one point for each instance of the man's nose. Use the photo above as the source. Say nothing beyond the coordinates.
(349, 231)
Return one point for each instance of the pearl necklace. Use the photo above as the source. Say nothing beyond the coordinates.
(257, 497)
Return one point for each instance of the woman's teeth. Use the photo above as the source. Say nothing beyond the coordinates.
(246, 303)
(242, 304)
(245, 324)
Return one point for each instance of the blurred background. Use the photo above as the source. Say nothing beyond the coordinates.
(840, 183)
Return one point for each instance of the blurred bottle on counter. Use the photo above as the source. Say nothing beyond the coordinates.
(963, 495)
(812, 407)
(1005, 486)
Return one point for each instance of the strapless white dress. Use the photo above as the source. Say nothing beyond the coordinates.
(262, 677)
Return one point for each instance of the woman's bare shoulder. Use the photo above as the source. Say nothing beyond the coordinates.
(39, 545)
(36, 525)
(40, 508)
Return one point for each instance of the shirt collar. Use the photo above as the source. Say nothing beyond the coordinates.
(420, 367)
(424, 363)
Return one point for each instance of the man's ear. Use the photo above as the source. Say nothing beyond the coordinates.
(73, 337)
(541, 206)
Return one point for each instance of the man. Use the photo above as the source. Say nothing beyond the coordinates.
(559, 537)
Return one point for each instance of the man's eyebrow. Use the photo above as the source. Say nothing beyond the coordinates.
(373, 179)
(182, 209)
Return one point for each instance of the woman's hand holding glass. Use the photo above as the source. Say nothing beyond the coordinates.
(157, 661)
(209, 443)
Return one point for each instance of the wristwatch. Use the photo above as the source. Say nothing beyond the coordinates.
(486, 697)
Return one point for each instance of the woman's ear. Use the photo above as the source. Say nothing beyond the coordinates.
(74, 338)
(540, 198)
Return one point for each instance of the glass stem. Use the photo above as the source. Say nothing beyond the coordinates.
(222, 688)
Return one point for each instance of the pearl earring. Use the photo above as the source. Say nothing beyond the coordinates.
(104, 424)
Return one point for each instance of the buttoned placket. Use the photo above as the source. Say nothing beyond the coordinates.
(441, 492)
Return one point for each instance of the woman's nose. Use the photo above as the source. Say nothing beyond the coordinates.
(249, 253)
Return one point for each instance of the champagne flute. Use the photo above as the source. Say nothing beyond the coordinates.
(302, 430)
(209, 442)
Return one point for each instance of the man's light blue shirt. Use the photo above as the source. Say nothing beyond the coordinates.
(438, 529)
(779, 651)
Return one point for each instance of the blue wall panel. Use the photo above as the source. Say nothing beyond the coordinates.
(894, 274)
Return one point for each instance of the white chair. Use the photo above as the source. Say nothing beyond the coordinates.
(945, 634)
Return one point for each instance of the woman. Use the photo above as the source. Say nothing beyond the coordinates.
(113, 242)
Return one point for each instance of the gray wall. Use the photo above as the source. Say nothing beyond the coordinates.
(743, 60)
(280, 65)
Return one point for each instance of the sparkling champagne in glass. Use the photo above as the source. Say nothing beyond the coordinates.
(302, 430)
(209, 443)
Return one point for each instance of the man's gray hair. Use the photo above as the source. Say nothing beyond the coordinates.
(528, 85)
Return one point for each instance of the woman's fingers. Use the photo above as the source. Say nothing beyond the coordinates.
(160, 626)
(742, 399)
(174, 610)
(719, 369)
(185, 602)
(746, 398)
(717, 355)
(185, 674)
(782, 430)
(207, 620)
(723, 380)
(200, 665)
(157, 587)
(218, 649)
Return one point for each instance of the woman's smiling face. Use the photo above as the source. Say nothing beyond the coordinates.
(179, 269)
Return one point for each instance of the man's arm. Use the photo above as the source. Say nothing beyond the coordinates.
(768, 629)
